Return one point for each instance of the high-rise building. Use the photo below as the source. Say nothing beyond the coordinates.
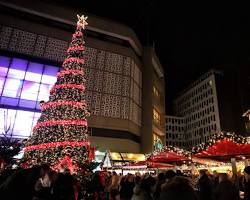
(206, 107)
(34, 37)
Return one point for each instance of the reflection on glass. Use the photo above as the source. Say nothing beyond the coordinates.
(15, 73)
(48, 79)
(30, 76)
(17, 68)
(6, 117)
(12, 87)
(30, 90)
(2, 79)
(4, 63)
(34, 72)
(44, 92)
(23, 123)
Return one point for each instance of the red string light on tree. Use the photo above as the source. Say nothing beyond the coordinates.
(66, 162)
(73, 86)
(63, 103)
(73, 59)
(77, 34)
(57, 144)
(76, 48)
(61, 122)
(71, 71)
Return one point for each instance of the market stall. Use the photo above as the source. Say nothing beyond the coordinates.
(116, 160)
(226, 150)
(171, 155)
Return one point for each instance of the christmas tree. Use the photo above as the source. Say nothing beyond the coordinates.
(9, 146)
(60, 135)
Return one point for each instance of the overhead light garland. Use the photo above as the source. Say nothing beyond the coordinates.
(217, 137)
(178, 151)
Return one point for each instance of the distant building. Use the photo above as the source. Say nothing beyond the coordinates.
(175, 131)
(206, 107)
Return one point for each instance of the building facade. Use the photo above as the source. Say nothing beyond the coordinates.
(175, 131)
(198, 110)
(208, 106)
(34, 38)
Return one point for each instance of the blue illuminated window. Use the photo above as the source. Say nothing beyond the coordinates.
(25, 84)
(21, 122)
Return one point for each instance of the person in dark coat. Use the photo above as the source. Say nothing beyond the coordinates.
(225, 189)
(127, 185)
(160, 181)
(178, 188)
(205, 186)
(247, 183)
(63, 188)
(21, 185)
(146, 189)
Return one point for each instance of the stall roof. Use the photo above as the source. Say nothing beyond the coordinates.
(169, 156)
(224, 149)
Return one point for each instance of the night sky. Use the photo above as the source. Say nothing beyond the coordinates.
(188, 41)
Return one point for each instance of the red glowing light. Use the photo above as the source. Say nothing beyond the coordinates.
(63, 103)
(57, 144)
(61, 122)
(73, 86)
(76, 48)
(71, 71)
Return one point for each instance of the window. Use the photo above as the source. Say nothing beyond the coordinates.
(22, 121)
(156, 116)
(24, 83)
(156, 92)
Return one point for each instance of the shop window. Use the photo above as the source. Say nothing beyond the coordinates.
(156, 116)
(156, 92)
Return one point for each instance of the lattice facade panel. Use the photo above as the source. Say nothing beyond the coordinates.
(90, 57)
(89, 78)
(114, 62)
(96, 103)
(98, 80)
(136, 94)
(136, 74)
(40, 45)
(112, 83)
(125, 108)
(25, 43)
(126, 66)
(5, 35)
(111, 106)
(88, 97)
(100, 59)
(125, 86)
(56, 49)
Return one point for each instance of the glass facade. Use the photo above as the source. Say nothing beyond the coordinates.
(23, 84)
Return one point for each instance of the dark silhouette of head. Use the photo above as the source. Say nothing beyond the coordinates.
(178, 189)
(148, 184)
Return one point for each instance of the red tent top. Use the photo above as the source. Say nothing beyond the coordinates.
(168, 156)
(225, 148)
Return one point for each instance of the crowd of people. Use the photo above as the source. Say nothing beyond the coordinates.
(42, 183)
